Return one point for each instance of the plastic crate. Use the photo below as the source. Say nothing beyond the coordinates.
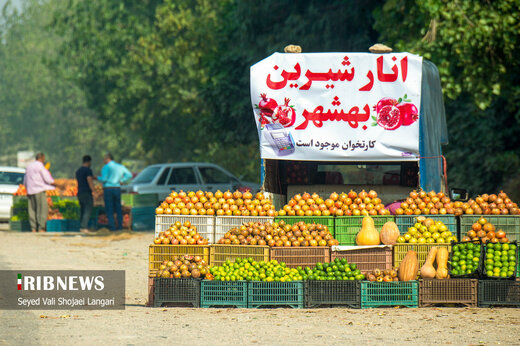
(367, 258)
(347, 227)
(140, 200)
(301, 256)
(205, 224)
(404, 222)
(498, 293)
(422, 250)
(20, 226)
(20, 198)
(478, 272)
(223, 293)
(179, 292)
(143, 219)
(269, 294)
(507, 223)
(160, 253)
(327, 293)
(484, 273)
(225, 223)
(452, 291)
(220, 253)
(395, 293)
(63, 225)
(324, 220)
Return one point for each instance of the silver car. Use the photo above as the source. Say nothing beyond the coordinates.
(163, 178)
(10, 178)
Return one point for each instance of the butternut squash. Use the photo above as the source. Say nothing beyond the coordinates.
(409, 267)
(442, 263)
(368, 235)
(389, 233)
(427, 270)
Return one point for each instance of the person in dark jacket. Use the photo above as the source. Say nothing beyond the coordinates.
(85, 179)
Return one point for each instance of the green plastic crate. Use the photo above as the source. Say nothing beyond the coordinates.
(140, 200)
(395, 293)
(20, 226)
(404, 222)
(223, 293)
(507, 223)
(347, 227)
(324, 220)
(275, 293)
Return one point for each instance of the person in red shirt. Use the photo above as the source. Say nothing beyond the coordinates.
(37, 180)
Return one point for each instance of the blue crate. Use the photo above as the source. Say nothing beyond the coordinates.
(63, 225)
(405, 221)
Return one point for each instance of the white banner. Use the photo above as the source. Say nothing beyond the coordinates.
(338, 106)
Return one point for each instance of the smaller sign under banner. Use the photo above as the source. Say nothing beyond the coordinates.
(338, 106)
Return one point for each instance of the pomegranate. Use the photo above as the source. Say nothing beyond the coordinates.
(409, 113)
(285, 114)
(389, 118)
(385, 101)
(267, 105)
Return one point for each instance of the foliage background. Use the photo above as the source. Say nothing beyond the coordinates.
(168, 80)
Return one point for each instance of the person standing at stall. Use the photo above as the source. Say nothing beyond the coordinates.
(37, 180)
(85, 179)
(112, 175)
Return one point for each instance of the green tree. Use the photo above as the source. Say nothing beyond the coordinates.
(475, 45)
(40, 109)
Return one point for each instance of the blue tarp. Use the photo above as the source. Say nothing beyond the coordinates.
(433, 130)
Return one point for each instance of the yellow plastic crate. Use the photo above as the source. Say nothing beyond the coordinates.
(160, 253)
(422, 250)
(220, 253)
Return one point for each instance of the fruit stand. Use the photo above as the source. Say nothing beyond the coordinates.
(64, 210)
(297, 262)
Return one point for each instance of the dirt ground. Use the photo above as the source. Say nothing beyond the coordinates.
(141, 325)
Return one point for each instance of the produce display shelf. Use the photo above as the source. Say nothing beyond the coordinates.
(143, 218)
(160, 253)
(205, 224)
(422, 250)
(220, 253)
(178, 292)
(347, 227)
(405, 221)
(63, 225)
(507, 223)
(498, 293)
(301, 256)
(478, 272)
(140, 200)
(225, 223)
(327, 293)
(324, 220)
(275, 293)
(434, 292)
(20, 226)
(367, 258)
(395, 293)
(223, 294)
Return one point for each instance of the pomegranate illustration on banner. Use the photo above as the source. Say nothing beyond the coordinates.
(338, 106)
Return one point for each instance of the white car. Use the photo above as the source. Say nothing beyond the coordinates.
(187, 176)
(10, 178)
